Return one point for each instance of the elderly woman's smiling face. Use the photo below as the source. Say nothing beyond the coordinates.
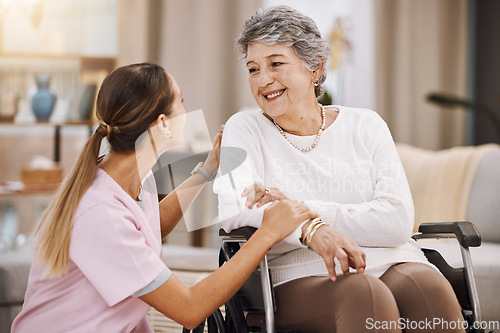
(278, 78)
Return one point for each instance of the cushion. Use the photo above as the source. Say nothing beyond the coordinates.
(441, 181)
(14, 273)
(484, 202)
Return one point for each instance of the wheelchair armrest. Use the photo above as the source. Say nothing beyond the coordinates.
(465, 231)
(245, 232)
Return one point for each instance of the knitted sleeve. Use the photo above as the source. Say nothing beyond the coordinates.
(387, 219)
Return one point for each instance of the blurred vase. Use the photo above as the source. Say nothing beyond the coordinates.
(44, 100)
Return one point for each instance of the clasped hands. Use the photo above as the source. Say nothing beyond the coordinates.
(326, 241)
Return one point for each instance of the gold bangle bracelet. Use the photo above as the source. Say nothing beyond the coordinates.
(311, 225)
(303, 237)
(317, 226)
(307, 235)
(308, 230)
(313, 229)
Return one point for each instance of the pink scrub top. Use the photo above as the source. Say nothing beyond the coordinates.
(115, 252)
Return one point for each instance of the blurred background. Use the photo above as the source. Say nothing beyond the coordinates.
(430, 68)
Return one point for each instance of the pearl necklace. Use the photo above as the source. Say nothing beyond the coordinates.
(316, 140)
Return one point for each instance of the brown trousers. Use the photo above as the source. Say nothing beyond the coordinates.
(409, 297)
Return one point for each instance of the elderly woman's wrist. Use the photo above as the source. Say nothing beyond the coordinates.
(309, 229)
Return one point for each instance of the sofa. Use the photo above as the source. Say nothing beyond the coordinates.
(14, 271)
(457, 184)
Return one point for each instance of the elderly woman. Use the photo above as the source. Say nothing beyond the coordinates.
(356, 269)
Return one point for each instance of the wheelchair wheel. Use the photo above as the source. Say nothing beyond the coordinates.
(214, 323)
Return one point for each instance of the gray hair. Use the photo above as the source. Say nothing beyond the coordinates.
(286, 26)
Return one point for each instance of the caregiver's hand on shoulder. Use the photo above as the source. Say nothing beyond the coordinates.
(330, 244)
(282, 217)
(259, 195)
(211, 164)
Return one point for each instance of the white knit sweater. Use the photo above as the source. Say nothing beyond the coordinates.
(353, 179)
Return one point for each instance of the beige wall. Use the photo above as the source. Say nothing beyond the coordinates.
(421, 47)
(194, 41)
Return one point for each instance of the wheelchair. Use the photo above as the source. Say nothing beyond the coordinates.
(256, 295)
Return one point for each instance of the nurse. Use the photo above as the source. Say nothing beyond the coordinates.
(97, 265)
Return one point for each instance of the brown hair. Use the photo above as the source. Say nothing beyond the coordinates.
(130, 99)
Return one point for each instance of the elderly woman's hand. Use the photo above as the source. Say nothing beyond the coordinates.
(260, 195)
(330, 244)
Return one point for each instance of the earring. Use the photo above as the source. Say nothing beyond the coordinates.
(167, 133)
(316, 83)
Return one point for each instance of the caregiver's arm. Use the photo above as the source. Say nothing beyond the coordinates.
(189, 307)
(173, 206)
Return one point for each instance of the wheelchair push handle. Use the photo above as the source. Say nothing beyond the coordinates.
(465, 231)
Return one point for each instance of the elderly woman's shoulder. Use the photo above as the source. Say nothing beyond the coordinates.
(360, 114)
(246, 117)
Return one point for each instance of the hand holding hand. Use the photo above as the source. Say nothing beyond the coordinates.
(282, 217)
(261, 195)
(330, 244)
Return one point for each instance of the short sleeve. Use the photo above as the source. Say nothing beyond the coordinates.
(109, 248)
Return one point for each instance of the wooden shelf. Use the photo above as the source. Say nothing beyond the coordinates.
(57, 131)
(6, 192)
(88, 62)
(52, 56)
(48, 123)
